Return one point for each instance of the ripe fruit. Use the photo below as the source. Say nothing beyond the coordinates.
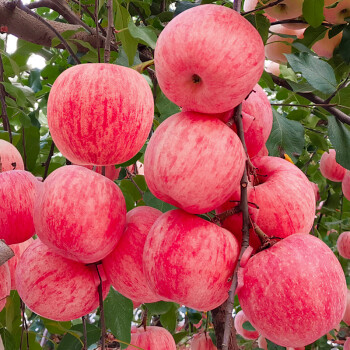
(218, 82)
(329, 167)
(286, 294)
(316, 191)
(273, 68)
(241, 318)
(249, 5)
(346, 185)
(154, 338)
(326, 45)
(346, 317)
(10, 158)
(55, 287)
(5, 285)
(343, 245)
(80, 214)
(189, 260)
(124, 265)
(336, 15)
(110, 171)
(202, 341)
(100, 113)
(18, 192)
(346, 345)
(286, 9)
(188, 141)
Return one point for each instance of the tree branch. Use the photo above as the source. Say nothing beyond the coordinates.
(97, 36)
(110, 28)
(48, 160)
(4, 116)
(274, 3)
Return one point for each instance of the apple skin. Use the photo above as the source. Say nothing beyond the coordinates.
(249, 5)
(329, 167)
(262, 344)
(285, 291)
(123, 266)
(316, 191)
(5, 285)
(80, 214)
(326, 46)
(343, 244)
(346, 345)
(285, 198)
(286, 10)
(187, 140)
(9, 155)
(183, 253)
(154, 338)
(91, 124)
(346, 185)
(225, 79)
(202, 341)
(18, 249)
(346, 317)
(273, 68)
(337, 14)
(18, 193)
(240, 318)
(110, 171)
(55, 287)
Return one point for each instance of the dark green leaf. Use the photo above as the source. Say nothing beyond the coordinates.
(159, 308)
(298, 114)
(266, 78)
(311, 35)
(179, 336)
(272, 346)
(7, 339)
(15, 92)
(165, 107)
(344, 46)
(313, 12)
(32, 342)
(55, 327)
(71, 342)
(122, 174)
(145, 34)
(182, 6)
(248, 326)
(130, 161)
(154, 202)
(118, 315)
(261, 23)
(34, 80)
(13, 316)
(32, 146)
(318, 140)
(4, 135)
(169, 320)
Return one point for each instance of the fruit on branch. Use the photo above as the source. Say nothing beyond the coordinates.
(218, 82)
(110, 171)
(124, 265)
(18, 249)
(346, 317)
(100, 113)
(187, 141)
(326, 45)
(154, 338)
(337, 14)
(80, 214)
(329, 167)
(55, 287)
(273, 68)
(18, 192)
(189, 260)
(249, 5)
(240, 319)
(346, 345)
(262, 344)
(346, 185)
(287, 9)
(202, 341)
(10, 158)
(5, 285)
(343, 245)
(285, 291)
(316, 191)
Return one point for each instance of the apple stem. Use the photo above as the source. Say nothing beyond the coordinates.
(219, 218)
(130, 176)
(102, 316)
(48, 160)
(144, 319)
(83, 319)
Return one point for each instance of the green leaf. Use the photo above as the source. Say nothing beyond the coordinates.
(298, 114)
(71, 342)
(159, 308)
(318, 73)
(32, 146)
(266, 78)
(261, 23)
(287, 136)
(313, 12)
(15, 92)
(272, 346)
(179, 336)
(339, 134)
(169, 319)
(32, 342)
(182, 6)
(248, 326)
(344, 46)
(7, 339)
(55, 327)
(4, 135)
(118, 315)
(311, 35)
(154, 202)
(130, 161)
(318, 140)
(166, 108)
(145, 34)
(34, 80)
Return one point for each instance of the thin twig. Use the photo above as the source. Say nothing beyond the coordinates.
(306, 165)
(4, 116)
(343, 85)
(97, 36)
(24, 325)
(132, 180)
(83, 319)
(24, 149)
(110, 28)
(226, 214)
(274, 3)
(305, 106)
(102, 315)
(48, 160)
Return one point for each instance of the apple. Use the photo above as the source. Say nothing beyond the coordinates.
(18, 192)
(5, 285)
(100, 113)
(337, 14)
(10, 158)
(189, 260)
(241, 318)
(316, 191)
(249, 5)
(110, 171)
(188, 141)
(287, 9)
(285, 291)
(123, 266)
(346, 317)
(329, 167)
(326, 45)
(217, 83)
(346, 345)
(55, 287)
(202, 341)
(153, 338)
(273, 68)
(343, 244)
(80, 214)
(18, 249)
(346, 185)
(262, 344)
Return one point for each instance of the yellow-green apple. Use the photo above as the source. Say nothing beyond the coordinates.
(286, 9)
(337, 14)
(326, 45)
(55, 287)
(189, 260)
(285, 291)
(346, 317)
(18, 193)
(273, 68)
(80, 214)
(123, 266)
(218, 82)
(202, 341)
(343, 244)
(241, 318)
(153, 338)
(100, 114)
(329, 167)
(10, 158)
(5, 285)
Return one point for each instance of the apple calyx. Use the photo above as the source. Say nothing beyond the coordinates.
(196, 79)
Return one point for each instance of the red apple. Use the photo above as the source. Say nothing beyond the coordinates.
(100, 113)
(218, 82)
(326, 46)
(10, 158)
(285, 291)
(329, 167)
(80, 214)
(337, 14)
(241, 318)
(124, 265)
(287, 9)
(343, 245)
(249, 5)
(346, 317)
(189, 140)
(189, 260)
(55, 287)
(5, 285)
(346, 345)
(262, 344)
(154, 338)
(202, 341)
(346, 185)
(316, 191)
(18, 192)
(273, 68)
